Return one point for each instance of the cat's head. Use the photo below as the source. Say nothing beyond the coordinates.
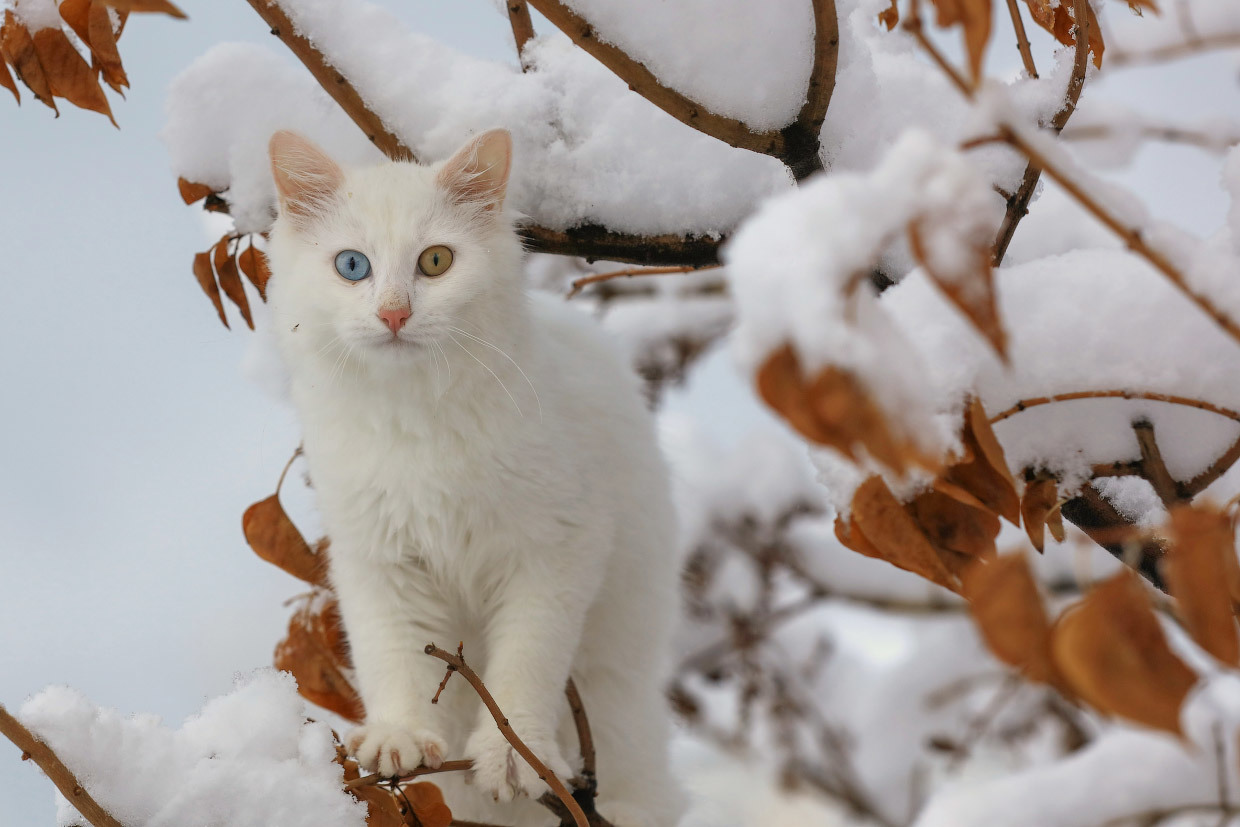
(383, 262)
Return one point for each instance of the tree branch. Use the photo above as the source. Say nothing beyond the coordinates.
(332, 81)
(457, 663)
(803, 155)
(1092, 513)
(1153, 468)
(1022, 40)
(585, 281)
(1189, 48)
(1018, 204)
(522, 28)
(1026, 404)
(34, 749)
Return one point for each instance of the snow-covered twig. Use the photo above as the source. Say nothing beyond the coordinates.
(579, 284)
(35, 750)
(522, 28)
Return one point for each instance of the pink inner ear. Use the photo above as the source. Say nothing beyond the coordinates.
(478, 172)
(307, 180)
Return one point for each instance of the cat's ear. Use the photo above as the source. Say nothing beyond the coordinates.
(478, 172)
(307, 180)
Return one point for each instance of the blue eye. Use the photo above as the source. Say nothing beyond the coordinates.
(352, 265)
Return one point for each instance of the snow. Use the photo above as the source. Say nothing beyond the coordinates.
(248, 759)
(36, 14)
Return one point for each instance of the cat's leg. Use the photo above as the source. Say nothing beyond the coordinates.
(390, 615)
(532, 638)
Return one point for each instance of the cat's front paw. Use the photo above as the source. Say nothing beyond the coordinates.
(499, 771)
(393, 749)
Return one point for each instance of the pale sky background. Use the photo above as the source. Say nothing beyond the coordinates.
(130, 443)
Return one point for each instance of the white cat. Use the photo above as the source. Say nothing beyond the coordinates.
(487, 473)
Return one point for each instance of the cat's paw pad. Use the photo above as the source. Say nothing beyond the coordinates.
(394, 749)
(499, 771)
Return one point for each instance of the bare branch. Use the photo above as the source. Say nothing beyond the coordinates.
(1157, 132)
(35, 750)
(1034, 402)
(584, 738)
(1018, 204)
(457, 663)
(579, 284)
(1092, 513)
(1022, 40)
(1153, 468)
(1189, 48)
(522, 28)
(595, 243)
(332, 81)
(803, 153)
(461, 765)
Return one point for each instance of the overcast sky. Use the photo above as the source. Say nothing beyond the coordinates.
(130, 443)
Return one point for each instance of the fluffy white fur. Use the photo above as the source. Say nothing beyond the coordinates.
(487, 474)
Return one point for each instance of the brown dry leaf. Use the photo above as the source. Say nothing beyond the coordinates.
(954, 527)
(18, 47)
(985, 474)
(895, 535)
(850, 537)
(192, 191)
(974, 298)
(974, 17)
(1112, 653)
(76, 14)
(310, 654)
(428, 805)
(1195, 567)
(382, 806)
(230, 279)
(206, 280)
(890, 16)
(68, 73)
(103, 47)
(1040, 506)
(146, 6)
(253, 263)
(272, 535)
(1138, 7)
(6, 80)
(1004, 600)
(1055, 16)
(834, 410)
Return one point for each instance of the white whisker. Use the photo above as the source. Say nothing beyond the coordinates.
(488, 370)
(500, 351)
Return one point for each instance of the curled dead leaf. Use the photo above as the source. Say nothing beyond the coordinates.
(6, 80)
(103, 47)
(892, 532)
(1055, 16)
(984, 472)
(18, 48)
(273, 537)
(834, 409)
(960, 533)
(1112, 653)
(68, 74)
(206, 280)
(312, 654)
(1004, 600)
(76, 13)
(230, 279)
(253, 262)
(890, 16)
(192, 191)
(971, 290)
(974, 17)
(1040, 506)
(1196, 570)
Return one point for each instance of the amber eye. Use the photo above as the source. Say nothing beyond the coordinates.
(435, 261)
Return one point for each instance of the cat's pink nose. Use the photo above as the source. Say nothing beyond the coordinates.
(394, 317)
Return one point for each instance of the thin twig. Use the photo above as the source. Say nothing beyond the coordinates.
(1018, 204)
(1175, 51)
(332, 81)
(522, 28)
(1153, 468)
(1022, 40)
(585, 281)
(1156, 132)
(1033, 402)
(288, 465)
(461, 765)
(544, 774)
(585, 739)
(642, 81)
(35, 750)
